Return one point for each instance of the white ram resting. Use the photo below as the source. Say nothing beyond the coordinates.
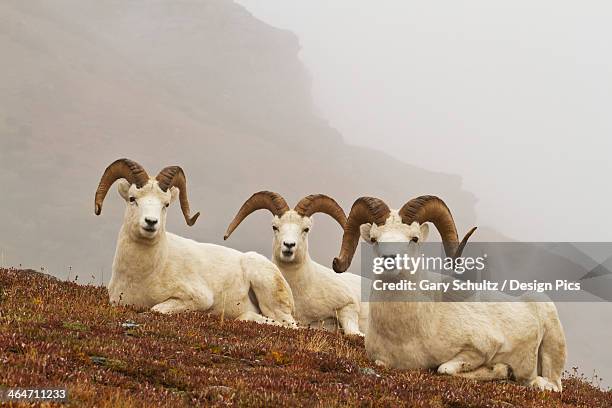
(476, 340)
(168, 273)
(320, 295)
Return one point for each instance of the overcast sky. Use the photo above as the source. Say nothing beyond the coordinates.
(515, 97)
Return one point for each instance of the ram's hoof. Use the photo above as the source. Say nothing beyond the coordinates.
(449, 368)
(544, 384)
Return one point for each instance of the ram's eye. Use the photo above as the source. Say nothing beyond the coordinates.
(306, 230)
(132, 199)
(415, 239)
(167, 205)
(275, 228)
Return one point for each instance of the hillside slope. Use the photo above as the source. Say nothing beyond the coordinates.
(201, 84)
(55, 333)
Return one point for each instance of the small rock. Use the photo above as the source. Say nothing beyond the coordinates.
(99, 360)
(129, 325)
(369, 371)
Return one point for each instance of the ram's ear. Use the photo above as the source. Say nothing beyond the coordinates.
(123, 186)
(424, 232)
(174, 191)
(365, 230)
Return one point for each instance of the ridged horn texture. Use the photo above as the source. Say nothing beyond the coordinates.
(432, 209)
(173, 176)
(320, 203)
(127, 169)
(263, 200)
(365, 210)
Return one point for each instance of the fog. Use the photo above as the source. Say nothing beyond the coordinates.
(501, 112)
(514, 97)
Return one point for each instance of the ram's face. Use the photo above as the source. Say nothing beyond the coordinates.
(394, 231)
(291, 237)
(146, 210)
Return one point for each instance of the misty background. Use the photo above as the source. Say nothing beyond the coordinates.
(503, 110)
(514, 97)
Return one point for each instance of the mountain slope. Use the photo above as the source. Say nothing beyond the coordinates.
(60, 334)
(200, 84)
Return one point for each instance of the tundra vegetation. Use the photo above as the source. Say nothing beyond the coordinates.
(65, 334)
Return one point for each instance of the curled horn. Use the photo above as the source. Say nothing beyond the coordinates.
(127, 169)
(315, 203)
(432, 209)
(267, 200)
(173, 176)
(365, 210)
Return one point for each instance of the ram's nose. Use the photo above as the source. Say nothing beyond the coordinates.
(151, 222)
(288, 244)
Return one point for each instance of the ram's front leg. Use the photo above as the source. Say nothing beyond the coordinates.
(173, 305)
(272, 291)
(348, 317)
(463, 362)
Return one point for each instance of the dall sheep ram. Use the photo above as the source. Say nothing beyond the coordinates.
(320, 295)
(485, 341)
(168, 273)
